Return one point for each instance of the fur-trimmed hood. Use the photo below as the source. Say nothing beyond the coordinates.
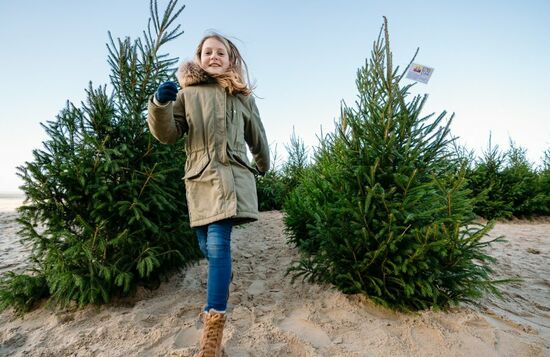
(190, 73)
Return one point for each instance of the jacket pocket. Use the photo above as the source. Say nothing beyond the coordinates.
(195, 165)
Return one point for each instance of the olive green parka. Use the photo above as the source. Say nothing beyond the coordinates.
(219, 179)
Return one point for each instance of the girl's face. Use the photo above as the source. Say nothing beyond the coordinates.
(214, 56)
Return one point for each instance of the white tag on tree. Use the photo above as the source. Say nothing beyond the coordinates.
(419, 73)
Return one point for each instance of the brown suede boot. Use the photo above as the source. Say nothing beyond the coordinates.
(212, 334)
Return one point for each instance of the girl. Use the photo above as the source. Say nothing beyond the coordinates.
(217, 111)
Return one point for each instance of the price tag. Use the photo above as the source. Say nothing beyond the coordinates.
(420, 73)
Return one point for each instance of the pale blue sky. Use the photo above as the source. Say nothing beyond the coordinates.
(491, 61)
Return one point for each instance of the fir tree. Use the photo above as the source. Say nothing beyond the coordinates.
(297, 162)
(540, 203)
(384, 211)
(274, 187)
(520, 181)
(487, 184)
(105, 205)
(270, 187)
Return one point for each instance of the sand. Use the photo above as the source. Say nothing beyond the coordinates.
(268, 316)
(12, 254)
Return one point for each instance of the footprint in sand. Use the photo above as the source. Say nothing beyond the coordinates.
(256, 288)
(187, 337)
(13, 340)
(304, 329)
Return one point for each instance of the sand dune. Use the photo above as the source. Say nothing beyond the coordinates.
(270, 317)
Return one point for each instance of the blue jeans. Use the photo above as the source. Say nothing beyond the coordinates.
(215, 243)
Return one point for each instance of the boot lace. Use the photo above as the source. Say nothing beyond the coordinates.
(211, 339)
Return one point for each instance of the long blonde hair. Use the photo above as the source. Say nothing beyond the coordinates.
(235, 79)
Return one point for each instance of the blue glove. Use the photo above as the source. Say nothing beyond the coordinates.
(166, 92)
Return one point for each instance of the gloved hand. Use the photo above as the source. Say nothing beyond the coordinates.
(166, 92)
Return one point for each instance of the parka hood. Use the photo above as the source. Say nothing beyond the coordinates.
(189, 74)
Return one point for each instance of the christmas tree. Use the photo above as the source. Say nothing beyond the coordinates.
(105, 205)
(383, 210)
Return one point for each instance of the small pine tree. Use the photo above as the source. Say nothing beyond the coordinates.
(297, 162)
(384, 211)
(538, 203)
(486, 182)
(273, 188)
(270, 187)
(520, 181)
(105, 204)
(546, 160)
(505, 184)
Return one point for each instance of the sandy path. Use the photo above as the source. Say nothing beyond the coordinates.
(271, 317)
(525, 255)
